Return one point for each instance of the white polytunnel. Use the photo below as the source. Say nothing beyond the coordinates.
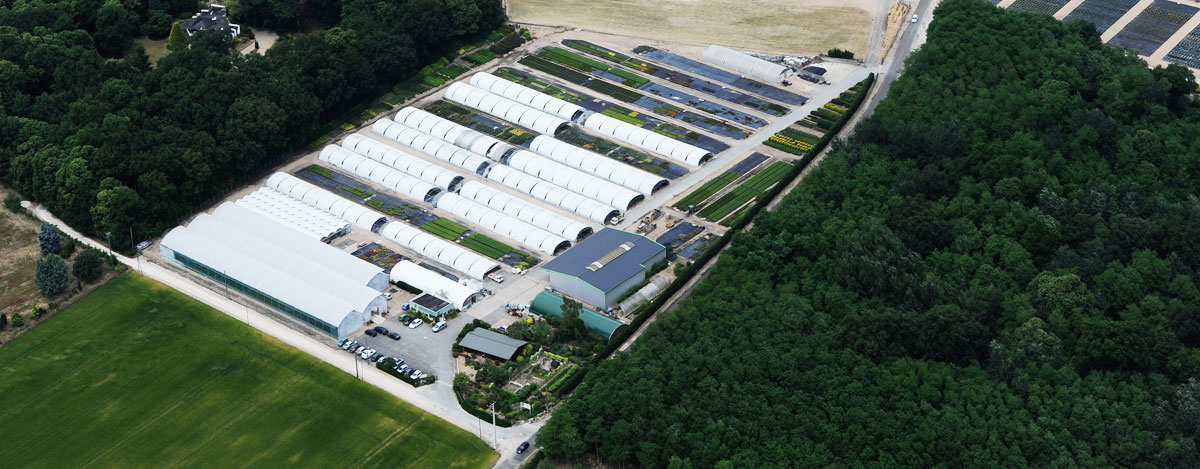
(573, 179)
(409, 164)
(745, 64)
(294, 214)
(385, 176)
(527, 96)
(452, 132)
(502, 224)
(539, 188)
(647, 140)
(507, 109)
(444, 252)
(535, 215)
(597, 164)
(304, 191)
(431, 146)
(553, 194)
(460, 296)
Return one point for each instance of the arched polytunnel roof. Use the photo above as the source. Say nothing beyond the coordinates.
(553, 194)
(441, 251)
(430, 145)
(502, 224)
(278, 207)
(647, 140)
(504, 108)
(409, 164)
(385, 176)
(527, 96)
(745, 64)
(452, 132)
(433, 283)
(597, 164)
(573, 179)
(533, 214)
(299, 189)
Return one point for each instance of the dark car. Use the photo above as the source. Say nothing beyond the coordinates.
(381, 330)
(405, 320)
(372, 333)
(524, 446)
(394, 335)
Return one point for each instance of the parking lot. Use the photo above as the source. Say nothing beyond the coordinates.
(421, 348)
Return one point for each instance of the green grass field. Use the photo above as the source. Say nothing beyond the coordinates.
(137, 375)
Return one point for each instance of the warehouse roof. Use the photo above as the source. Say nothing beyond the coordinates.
(492, 343)
(607, 258)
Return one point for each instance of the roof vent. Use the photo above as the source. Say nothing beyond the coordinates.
(611, 256)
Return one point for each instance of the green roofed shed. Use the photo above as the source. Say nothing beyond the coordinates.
(549, 304)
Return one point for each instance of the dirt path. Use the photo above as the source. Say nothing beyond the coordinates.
(1067, 9)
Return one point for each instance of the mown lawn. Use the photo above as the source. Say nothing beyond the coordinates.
(137, 374)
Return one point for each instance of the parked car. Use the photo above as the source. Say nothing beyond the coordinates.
(914, 19)
(399, 362)
(381, 330)
(496, 277)
(381, 358)
(358, 349)
(342, 342)
(416, 374)
(375, 356)
(372, 333)
(439, 326)
(522, 447)
(387, 295)
(415, 323)
(503, 328)
(405, 320)
(394, 336)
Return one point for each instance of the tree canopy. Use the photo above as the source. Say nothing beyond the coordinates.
(109, 143)
(997, 269)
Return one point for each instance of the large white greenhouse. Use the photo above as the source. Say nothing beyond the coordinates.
(431, 146)
(527, 96)
(379, 173)
(411, 165)
(502, 224)
(538, 188)
(745, 64)
(450, 131)
(647, 140)
(597, 164)
(507, 109)
(535, 215)
(460, 296)
(311, 281)
(432, 247)
(294, 214)
(299, 189)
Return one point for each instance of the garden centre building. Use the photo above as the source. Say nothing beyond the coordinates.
(601, 268)
(281, 267)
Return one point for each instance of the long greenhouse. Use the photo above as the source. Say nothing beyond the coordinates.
(304, 278)
(299, 189)
(597, 164)
(647, 140)
(745, 64)
(507, 109)
(409, 164)
(527, 96)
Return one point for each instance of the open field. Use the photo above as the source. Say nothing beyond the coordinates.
(18, 236)
(785, 26)
(137, 374)
(155, 49)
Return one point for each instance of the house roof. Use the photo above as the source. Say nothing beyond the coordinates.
(492, 343)
(603, 260)
(214, 18)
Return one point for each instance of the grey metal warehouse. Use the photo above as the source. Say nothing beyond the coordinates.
(601, 268)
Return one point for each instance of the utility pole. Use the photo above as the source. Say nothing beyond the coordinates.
(494, 439)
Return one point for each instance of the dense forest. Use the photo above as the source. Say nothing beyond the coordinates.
(108, 142)
(998, 269)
